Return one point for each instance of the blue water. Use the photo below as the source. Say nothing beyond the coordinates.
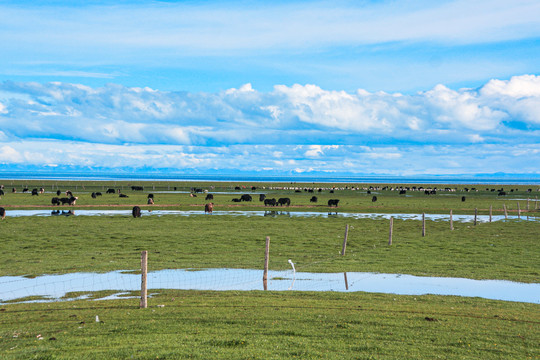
(273, 213)
(54, 287)
(533, 179)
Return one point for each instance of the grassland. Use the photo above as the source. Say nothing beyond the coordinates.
(498, 250)
(353, 197)
(268, 325)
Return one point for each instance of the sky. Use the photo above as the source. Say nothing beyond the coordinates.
(400, 88)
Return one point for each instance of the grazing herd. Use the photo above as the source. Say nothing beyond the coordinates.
(71, 200)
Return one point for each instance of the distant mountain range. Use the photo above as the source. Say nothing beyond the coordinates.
(145, 174)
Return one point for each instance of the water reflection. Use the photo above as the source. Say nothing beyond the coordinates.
(54, 287)
(62, 212)
(276, 213)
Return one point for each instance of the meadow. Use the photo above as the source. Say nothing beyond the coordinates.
(272, 325)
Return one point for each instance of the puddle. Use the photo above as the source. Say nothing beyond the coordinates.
(54, 287)
(269, 213)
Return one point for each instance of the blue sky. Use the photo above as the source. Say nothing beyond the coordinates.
(401, 88)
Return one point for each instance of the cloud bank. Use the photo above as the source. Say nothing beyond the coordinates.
(301, 128)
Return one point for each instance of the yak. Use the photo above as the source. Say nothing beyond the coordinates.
(284, 201)
(333, 202)
(269, 202)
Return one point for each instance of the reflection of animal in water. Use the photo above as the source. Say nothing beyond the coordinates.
(274, 213)
(136, 212)
(2, 213)
(63, 212)
(208, 208)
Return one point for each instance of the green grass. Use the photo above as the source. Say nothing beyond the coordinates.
(268, 325)
(350, 200)
(498, 250)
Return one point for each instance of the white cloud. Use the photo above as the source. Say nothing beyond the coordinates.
(516, 87)
(9, 155)
(299, 126)
(475, 138)
(314, 151)
(462, 107)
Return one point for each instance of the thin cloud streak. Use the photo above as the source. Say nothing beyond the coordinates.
(207, 28)
(276, 159)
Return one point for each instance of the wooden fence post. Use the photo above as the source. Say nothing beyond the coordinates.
(505, 211)
(266, 260)
(391, 230)
(490, 212)
(345, 240)
(144, 273)
(423, 224)
(475, 215)
(519, 211)
(346, 282)
(451, 221)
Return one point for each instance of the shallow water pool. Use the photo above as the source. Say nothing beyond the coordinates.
(54, 287)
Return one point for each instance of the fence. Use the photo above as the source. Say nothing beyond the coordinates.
(128, 283)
